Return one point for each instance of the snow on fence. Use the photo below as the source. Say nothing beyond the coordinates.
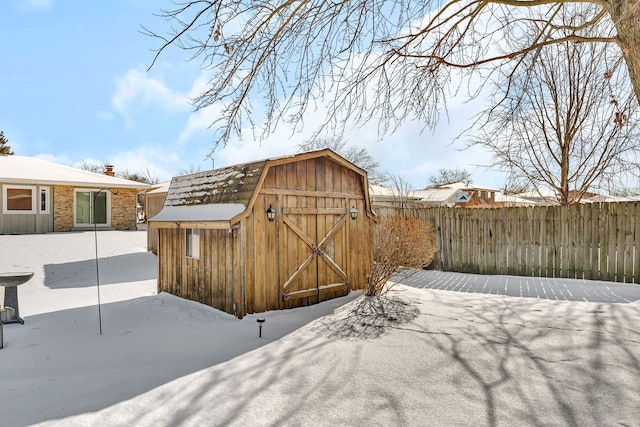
(599, 241)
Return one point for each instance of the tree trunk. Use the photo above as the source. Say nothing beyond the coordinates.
(626, 17)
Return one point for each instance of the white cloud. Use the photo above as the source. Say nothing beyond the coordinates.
(54, 158)
(283, 141)
(200, 85)
(107, 116)
(35, 5)
(411, 152)
(136, 90)
(198, 124)
(159, 161)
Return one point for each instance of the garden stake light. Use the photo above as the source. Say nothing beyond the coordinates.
(260, 322)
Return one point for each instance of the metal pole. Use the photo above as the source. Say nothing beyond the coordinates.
(95, 238)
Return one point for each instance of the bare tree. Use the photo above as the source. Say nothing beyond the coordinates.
(514, 185)
(626, 191)
(399, 241)
(5, 148)
(401, 190)
(188, 171)
(373, 60)
(568, 125)
(356, 155)
(145, 176)
(449, 176)
(93, 167)
(622, 185)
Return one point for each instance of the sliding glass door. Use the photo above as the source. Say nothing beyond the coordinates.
(92, 207)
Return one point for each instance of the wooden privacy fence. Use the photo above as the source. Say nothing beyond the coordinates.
(599, 241)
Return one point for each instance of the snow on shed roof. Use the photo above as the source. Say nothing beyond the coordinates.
(31, 170)
(215, 212)
(231, 184)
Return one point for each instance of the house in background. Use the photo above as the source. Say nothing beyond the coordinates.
(550, 199)
(462, 194)
(503, 200)
(605, 198)
(457, 194)
(266, 235)
(39, 197)
(391, 197)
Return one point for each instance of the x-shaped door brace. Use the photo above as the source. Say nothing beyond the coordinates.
(316, 250)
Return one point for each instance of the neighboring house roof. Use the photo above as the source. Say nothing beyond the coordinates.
(160, 188)
(589, 197)
(31, 170)
(600, 198)
(436, 195)
(510, 199)
(541, 199)
(446, 193)
(223, 194)
(379, 191)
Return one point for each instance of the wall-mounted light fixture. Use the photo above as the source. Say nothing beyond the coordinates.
(271, 213)
(354, 213)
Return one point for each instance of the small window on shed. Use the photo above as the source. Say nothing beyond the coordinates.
(193, 243)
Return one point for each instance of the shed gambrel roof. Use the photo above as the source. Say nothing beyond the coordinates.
(226, 193)
(231, 184)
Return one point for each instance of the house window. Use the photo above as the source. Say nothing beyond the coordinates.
(92, 207)
(44, 200)
(18, 199)
(193, 243)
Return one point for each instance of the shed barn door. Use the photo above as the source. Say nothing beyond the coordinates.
(315, 239)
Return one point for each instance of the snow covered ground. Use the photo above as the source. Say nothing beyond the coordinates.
(418, 357)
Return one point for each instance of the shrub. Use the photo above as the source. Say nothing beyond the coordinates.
(399, 241)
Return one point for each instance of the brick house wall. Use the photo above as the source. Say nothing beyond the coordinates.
(62, 203)
(123, 208)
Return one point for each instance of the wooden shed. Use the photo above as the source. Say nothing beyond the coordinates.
(217, 244)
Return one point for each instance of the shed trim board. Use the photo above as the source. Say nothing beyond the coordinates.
(210, 225)
(311, 252)
(307, 193)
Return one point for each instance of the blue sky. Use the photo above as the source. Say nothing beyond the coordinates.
(75, 87)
